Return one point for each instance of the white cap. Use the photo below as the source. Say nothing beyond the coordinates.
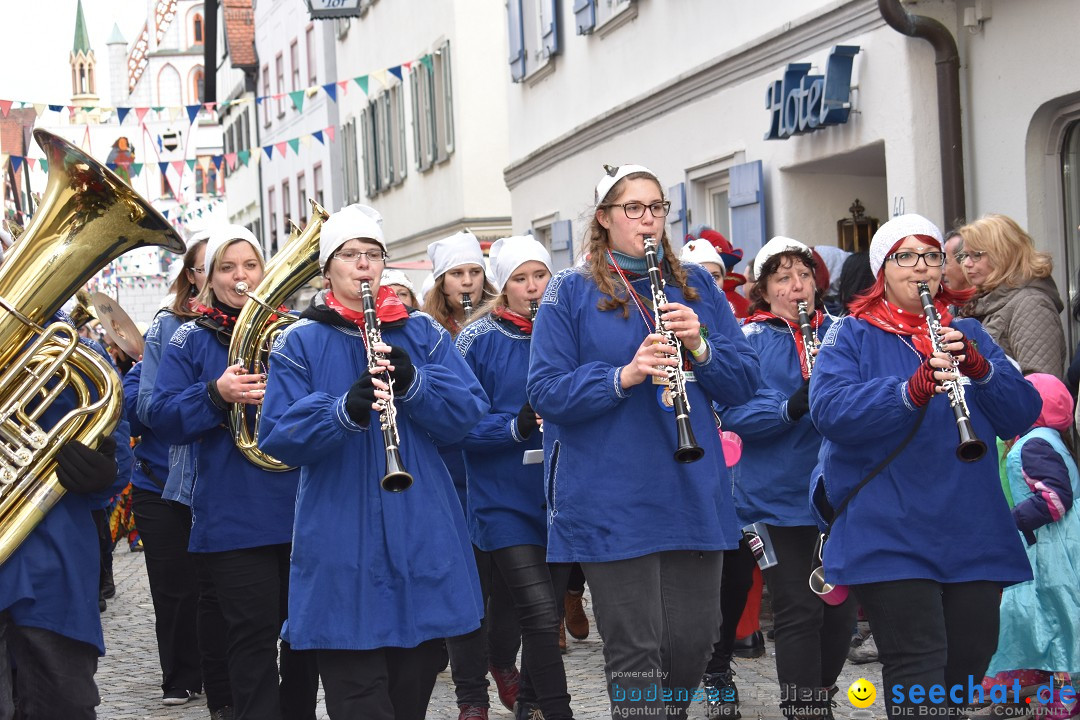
(459, 249)
(396, 277)
(197, 236)
(614, 175)
(349, 223)
(426, 286)
(894, 231)
(701, 251)
(219, 237)
(508, 254)
(777, 245)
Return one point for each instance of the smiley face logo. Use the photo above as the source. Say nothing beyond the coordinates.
(862, 693)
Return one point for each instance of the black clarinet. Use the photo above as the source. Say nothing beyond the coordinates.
(809, 341)
(466, 306)
(533, 307)
(970, 448)
(396, 479)
(688, 450)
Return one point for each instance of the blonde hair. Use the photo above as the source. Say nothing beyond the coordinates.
(437, 305)
(599, 243)
(1012, 252)
(207, 297)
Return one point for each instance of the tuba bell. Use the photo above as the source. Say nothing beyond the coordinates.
(256, 326)
(87, 218)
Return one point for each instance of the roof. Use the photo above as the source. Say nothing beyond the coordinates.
(116, 37)
(240, 33)
(82, 38)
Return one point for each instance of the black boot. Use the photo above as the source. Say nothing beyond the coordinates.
(751, 646)
(721, 695)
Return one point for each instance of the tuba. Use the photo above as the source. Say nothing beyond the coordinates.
(87, 218)
(260, 322)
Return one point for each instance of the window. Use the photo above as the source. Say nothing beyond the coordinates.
(294, 58)
(286, 207)
(352, 176)
(271, 209)
(309, 37)
(198, 80)
(279, 65)
(1070, 161)
(433, 109)
(301, 199)
(266, 95)
(316, 184)
(245, 131)
(533, 27)
(383, 128)
(197, 29)
(166, 186)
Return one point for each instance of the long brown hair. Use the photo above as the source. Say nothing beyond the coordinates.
(597, 258)
(437, 306)
(182, 288)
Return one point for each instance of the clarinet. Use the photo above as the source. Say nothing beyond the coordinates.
(533, 307)
(688, 450)
(970, 448)
(466, 306)
(396, 479)
(809, 341)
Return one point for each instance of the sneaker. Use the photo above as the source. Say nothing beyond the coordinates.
(576, 621)
(562, 637)
(176, 696)
(508, 681)
(865, 652)
(721, 695)
(472, 712)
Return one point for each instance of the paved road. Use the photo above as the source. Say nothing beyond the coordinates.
(129, 675)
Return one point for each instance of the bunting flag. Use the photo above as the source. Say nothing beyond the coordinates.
(192, 112)
(136, 168)
(380, 75)
(269, 150)
(362, 81)
(331, 90)
(280, 148)
(163, 167)
(121, 113)
(16, 163)
(244, 156)
(318, 136)
(45, 168)
(297, 97)
(396, 72)
(140, 113)
(295, 145)
(428, 62)
(330, 132)
(5, 107)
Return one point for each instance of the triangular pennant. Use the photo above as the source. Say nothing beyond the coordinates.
(428, 62)
(204, 163)
(396, 72)
(344, 85)
(331, 90)
(305, 140)
(380, 75)
(230, 160)
(244, 156)
(362, 81)
(190, 164)
(140, 113)
(5, 107)
(209, 106)
(269, 150)
(280, 148)
(157, 108)
(136, 168)
(31, 162)
(407, 66)
(163, 167)
(295, 145)
(330, 132)
(259, 100)
(121, 113)
(178, 166)
(297, 100)
(193, 112)
(56, 108)
(217, 159)
(174, 112)
(39, 108)
(16, 163)
(256, 158)
(318, 136)
(44, 165)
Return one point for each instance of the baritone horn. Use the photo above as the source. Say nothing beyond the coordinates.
(87, 218)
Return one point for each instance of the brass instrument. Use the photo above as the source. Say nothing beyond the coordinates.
(84, 310)
(809, 339)
(970, 448)
(396, 479)
(87, 218)
(254, 333)
(687, 450)
(533, 308)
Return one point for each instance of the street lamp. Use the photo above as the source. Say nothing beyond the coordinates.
(326, 9)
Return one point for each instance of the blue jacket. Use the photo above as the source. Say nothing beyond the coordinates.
(181, 467)
(778, 458)
(506, 498)
(234, 504)
(614, 491)
(927, 514)
(151, 465)
(372, 568)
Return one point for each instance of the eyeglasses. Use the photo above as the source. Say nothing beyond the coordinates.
(198, 270)
(353, 256)
(911, 259)
(974, 255)
(635, 210)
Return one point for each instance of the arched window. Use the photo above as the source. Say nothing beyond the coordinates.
(197, 29)
(197, 82)
(169, 86)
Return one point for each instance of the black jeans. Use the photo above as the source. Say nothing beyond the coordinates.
(383, 684)
(165, 527)
(812, 637)
(930, 633)
(213, 639)
(735, 584)
(253, 590)
(55, 677)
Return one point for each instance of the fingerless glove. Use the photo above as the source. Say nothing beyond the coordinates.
(921, 385)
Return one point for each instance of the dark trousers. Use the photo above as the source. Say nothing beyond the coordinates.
(383, 684)
(735, 584)
(55, 676)
(576, 581)
(812, 637)
(931, 633)
(165, 527)
(213, 639)
(253, 590)
(659, 616)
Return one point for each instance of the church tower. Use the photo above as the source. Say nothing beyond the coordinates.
(83, 65)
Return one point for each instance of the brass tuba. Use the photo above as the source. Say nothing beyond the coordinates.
(288, 271)
(87, 218)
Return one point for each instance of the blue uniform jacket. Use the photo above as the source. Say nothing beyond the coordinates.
(927, 514)
(614, 491)
(181, 467)
(51, 580)
(778, 458)
(151, 465)
(234, 504)
(372, 568)
(506, 498)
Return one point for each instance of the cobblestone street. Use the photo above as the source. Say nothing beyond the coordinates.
(129, 674)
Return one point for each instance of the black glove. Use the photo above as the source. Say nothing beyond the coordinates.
(360, 398)
(526, 421)
(404, 372)
(82, 470)
(799, 402)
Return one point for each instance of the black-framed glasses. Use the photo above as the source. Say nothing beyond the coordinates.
(198, 270)
(975, 255)
(353, 256)
(906, 259)
(635, 210)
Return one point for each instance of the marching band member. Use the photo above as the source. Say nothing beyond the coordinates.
(506, 498)
(648, 531)
(460, 282)
(780, 448)
(378, 578)
(241, 515)
(928, 541)
(402, 286)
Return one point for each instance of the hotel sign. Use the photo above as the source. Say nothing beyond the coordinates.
(801, 103)
(324, 9)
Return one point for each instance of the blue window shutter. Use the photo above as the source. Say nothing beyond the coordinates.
(585, 16)
(677, 215)
(517, 40)
(551, 32)
(562, 245)
(746, 198)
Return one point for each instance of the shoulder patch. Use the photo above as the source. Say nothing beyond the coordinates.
(834, 329)
(179, 338)
(472, 331)
(279, 339)
(551, 294)
(155, 328)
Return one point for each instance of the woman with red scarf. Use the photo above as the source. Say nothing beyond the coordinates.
(772, 481)
(925, 540)
(378, 578)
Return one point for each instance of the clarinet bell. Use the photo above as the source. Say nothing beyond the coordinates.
(971, 448)
(396, 479)
(688, 450)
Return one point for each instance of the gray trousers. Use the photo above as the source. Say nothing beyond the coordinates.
(55, 677)
(659, 616)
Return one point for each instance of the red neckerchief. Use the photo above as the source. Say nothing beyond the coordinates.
(897, 321)
(521, 322)
(796, 332)
(388, 308)
(215, 315)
